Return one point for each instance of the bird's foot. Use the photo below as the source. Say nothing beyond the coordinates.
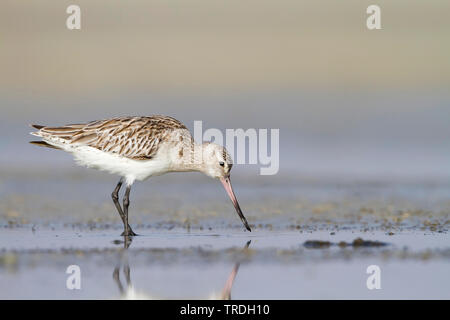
(129, 234)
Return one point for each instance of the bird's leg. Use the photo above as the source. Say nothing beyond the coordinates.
(116, 278)
(128, 239)
(115, 197)
(126, 203)
(126, 271)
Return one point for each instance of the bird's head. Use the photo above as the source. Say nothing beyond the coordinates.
(217, 163)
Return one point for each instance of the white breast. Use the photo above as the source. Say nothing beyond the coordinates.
(130, 169)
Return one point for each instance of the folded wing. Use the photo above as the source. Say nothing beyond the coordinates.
(133, 137)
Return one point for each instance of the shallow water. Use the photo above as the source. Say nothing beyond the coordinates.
(191, 240)
(177, 264)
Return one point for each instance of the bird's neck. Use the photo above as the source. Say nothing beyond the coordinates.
(188, 157)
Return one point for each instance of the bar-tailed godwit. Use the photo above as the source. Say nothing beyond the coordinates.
(136, 148)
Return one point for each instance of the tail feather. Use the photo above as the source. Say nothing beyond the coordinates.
(37, 126)
(44, 144)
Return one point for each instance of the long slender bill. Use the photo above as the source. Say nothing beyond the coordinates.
(227, 185)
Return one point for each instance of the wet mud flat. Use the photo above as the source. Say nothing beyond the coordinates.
(311, 238)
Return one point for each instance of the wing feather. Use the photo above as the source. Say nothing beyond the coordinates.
(136, 138)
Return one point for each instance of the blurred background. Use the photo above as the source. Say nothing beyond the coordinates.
(364, 120)
(348, 101)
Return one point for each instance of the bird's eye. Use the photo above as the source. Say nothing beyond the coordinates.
(221, 163)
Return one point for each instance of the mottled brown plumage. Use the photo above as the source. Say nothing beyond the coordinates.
(135, 138)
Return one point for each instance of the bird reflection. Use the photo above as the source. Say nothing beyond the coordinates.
(127, 291)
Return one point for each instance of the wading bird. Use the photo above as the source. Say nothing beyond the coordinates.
(136, 148)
